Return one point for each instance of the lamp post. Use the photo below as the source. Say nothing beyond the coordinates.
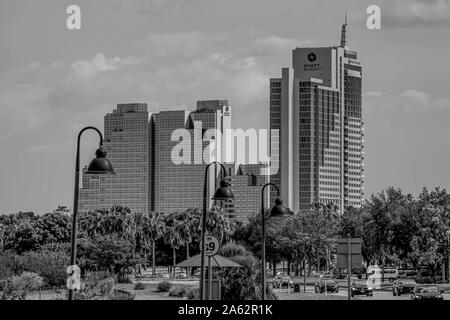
(223, 193)
(100, 165)
(448, 253)
(277, 210)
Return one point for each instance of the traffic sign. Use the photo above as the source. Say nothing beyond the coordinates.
(342, 261)
(343, 251)
(211, 246)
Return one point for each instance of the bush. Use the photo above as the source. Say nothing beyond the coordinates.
(122, 295)
(139, 286)
(164, 286)
(193, 294)
(177, 292)
(17, 287)
(424, 280)
(125, 280)
(51, 265)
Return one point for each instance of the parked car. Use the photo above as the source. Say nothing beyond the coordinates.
(361, 287)
(326, 284)
(181, 275)
(402, 286)
(281, 281)
(426, 292)
(163, 275)
(327, 274)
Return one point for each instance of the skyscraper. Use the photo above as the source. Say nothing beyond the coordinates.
(179, 186)
(327, 128)
(126, 141)
(246, 182)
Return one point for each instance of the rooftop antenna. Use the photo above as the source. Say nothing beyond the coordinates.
(344, 32)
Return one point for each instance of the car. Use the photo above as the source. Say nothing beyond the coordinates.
(426, 292)
(281, 281)
(326, 285)
(402, 286)
(327, 274)
(361, 287)
(181, 275)
(163, 275)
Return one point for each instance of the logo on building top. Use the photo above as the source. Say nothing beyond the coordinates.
(312, 57)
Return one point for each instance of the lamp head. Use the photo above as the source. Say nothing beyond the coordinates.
(224, 192)
(279, 210)
(100, 165)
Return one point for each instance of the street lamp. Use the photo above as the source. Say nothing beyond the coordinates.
(100, 165)
(222, 194)
(277, 211)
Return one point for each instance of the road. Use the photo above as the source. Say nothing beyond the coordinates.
(341, 295)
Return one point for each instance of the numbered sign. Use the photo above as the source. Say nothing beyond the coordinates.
(74, 279)
(212, 245)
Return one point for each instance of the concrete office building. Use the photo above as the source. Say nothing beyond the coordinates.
(327, 128)
(179, 186)
(246, 182)
(126, 141)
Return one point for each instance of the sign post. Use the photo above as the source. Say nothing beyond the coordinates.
(349, 256)
(212, 247)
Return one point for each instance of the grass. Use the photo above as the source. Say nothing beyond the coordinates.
(151, 291)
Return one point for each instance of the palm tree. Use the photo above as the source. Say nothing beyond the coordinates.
(156, 230)
(172, 235)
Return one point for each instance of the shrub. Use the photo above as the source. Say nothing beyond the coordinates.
(193, 294)
(125, 280)
(164, 286)
(51, 265)
(424, 280)
(177, 292)
(17, 287)
(139, 286)
(122, 295)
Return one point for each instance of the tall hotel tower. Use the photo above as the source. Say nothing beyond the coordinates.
(127, 144)
(324, 161)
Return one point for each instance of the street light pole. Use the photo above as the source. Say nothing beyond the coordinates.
(278, 210)
(448, 253)
(223, 193)
(100, 165)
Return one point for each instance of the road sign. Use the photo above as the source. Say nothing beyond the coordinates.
(74, 280)
(212, 245)
(349, 256)
(355, 252)
(342, 261)
(342, 245)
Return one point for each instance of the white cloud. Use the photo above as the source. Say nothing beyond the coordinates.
(415, 12)
(408, 100)
(89, 69)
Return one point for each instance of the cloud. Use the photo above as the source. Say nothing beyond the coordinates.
(408, 100)
(89, 69)
(407, 13)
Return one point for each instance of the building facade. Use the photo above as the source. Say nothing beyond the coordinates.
(179, 186)
(327, 128)
(126, 142)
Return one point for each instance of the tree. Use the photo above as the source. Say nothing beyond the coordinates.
(172, 235)
(155, 231)
(242, 283)
(109, 252)
(381, 208)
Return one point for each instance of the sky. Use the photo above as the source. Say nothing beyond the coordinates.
(171, 53)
